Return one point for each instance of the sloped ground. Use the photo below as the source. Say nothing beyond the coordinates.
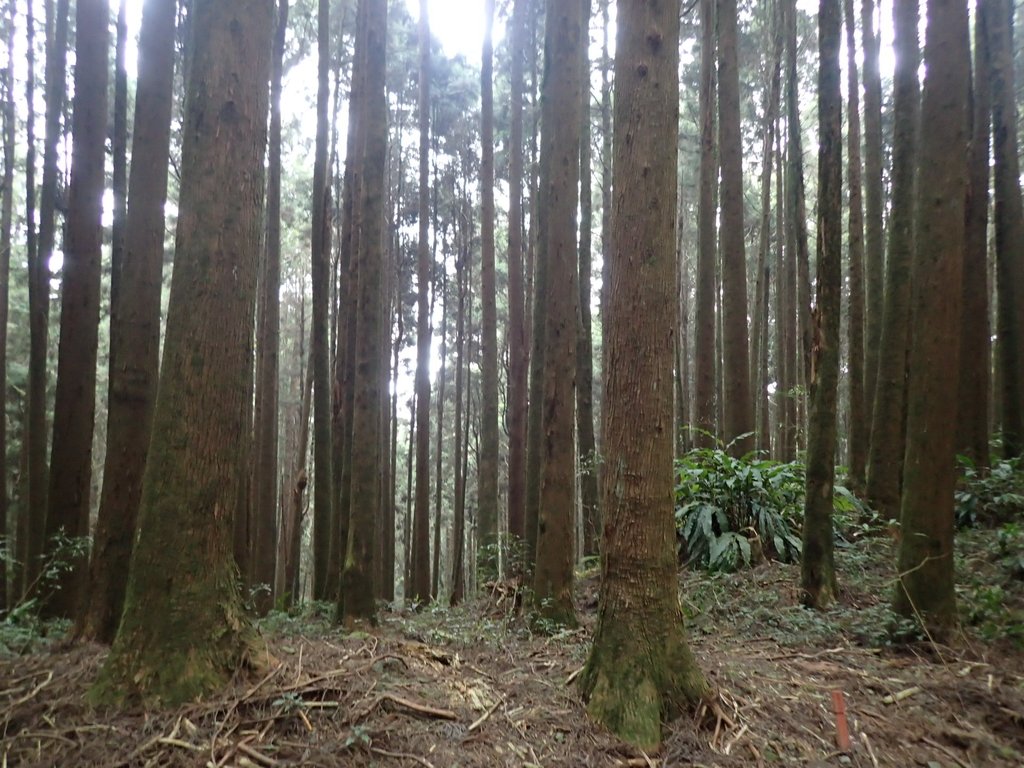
(473, 687)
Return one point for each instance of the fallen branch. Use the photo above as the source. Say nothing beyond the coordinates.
(480, 720)
(402, 756)
(423, 709)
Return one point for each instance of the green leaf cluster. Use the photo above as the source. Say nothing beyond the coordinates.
(989, 498)
(731, 512)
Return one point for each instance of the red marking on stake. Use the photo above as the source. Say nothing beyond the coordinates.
(842, 729)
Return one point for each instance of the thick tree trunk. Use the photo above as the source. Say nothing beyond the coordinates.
(439, 446)
(975, 340)
(419, 590)
(817, 568)
(885, 460)
(738, 427)
(136, 343)
(926, 589)
(707, 238)
(356, 600)
(184, 632)
(560, 141)
(640, 671)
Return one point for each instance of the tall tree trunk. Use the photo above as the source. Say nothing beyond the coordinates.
(461, 429)
(6, 221)
(885, 460)
(264, 498)
(39, 287)
(707, 237)
(136, 343)
(75, 404)
(641, 671)
(759, 336)
(29, 538)
(874, 256)
(856, 411)
(739, 417)
(184, 631)
(817, 568)
(420, 588)
(119, 147)
(321, 261)
(439, 449)
(926, 588)
(584, 341)
(560, 141)
(975, 339)
(487, 505)
(518, 340)
(797, 266)
(356, 600)
(1009, 227)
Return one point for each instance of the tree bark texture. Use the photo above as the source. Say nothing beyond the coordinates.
(926, 588)
(640, 671)
(184, 631)
(136, 344)
(560, 141)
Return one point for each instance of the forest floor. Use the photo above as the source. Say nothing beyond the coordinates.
(475, 687)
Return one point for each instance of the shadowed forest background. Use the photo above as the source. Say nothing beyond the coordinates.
(633, 383)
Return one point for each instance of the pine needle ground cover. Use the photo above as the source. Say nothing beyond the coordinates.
(475, 687)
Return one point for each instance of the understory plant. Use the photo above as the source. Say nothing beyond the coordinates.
(989, 498)
(733, 512)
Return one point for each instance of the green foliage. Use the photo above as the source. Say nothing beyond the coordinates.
(989, 498)
(730, 511)
(23, 630)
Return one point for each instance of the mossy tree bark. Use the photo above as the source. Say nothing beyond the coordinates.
(817, 569)
(976, 345)
(560, 141)
(885, 458)
(356, 599)
(184, 631)
(136, 343)
(640, 670)
(926, 588)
